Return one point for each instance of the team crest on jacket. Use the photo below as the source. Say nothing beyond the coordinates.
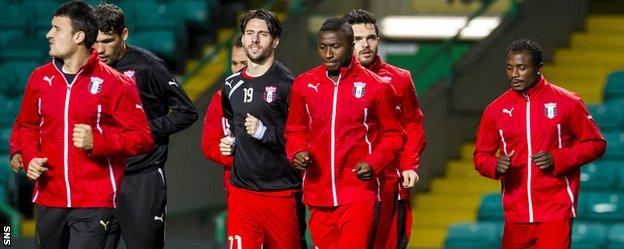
(96, 85)
(129, 73)
(358, 89)
(550, 109)
(269, 94)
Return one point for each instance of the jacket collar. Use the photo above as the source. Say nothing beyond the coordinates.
(535, 89)
(89, 66)
(352, 69)
(377, 65)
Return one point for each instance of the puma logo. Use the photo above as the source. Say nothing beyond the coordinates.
(228, 83)
(48, 79)
(138, 106)
(315, 87)
(173, 83)
(156, 218)
(105, 225)
(505, 110)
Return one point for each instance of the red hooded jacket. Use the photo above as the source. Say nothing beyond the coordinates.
(543, 118)
(341, 124)
(100, 97)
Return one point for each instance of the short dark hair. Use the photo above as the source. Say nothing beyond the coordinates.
(82, 19)
(273, 24)
(530, 46)
(238, 43)
(338, 24)
(110, 18)
(360, 16)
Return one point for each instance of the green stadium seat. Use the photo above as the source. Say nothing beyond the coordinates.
(11, 17)
(219, 223)
(619, 171)
(615, 237)
(599, 175)
(609, 116)
(491, 207)
(19, 71)
(26, 49)
(588, 235)
(614, 88)
(7, 34)
(5, 170)
(481, 235)
(5, 134)
(615, 145)
(194, 12)
(606, 207)
(162, 43)
(142, 15)
(9, 107)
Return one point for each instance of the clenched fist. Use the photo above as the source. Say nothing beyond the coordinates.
(83, 136)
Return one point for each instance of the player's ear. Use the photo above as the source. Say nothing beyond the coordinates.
(124, 34)
(275, 42)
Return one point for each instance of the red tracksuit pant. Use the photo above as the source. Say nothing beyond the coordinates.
(348, 226)
(539, 235)
(264, 220)
(394, 225)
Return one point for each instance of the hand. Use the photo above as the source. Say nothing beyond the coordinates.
(16, 162)
(35, 168)
(410, 178)
(302, 160)
(251, 124)
(226, 144)
(83, 136)
(543, 160)
(503, 163)
(363, 171)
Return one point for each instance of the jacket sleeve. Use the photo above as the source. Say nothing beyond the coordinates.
(297, 131)
(27, 136)
(391, 136)
(213, 131)
(125, 130)
(182, 111)
(413, 125)
(15, 146)
(226, 108)
(484, 156)
(588, 144)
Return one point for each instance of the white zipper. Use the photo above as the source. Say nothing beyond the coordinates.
(66, 131)
(529, 153)
(503, 141)
(333, 140)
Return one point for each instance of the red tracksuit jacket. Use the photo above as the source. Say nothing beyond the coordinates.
(99, 97)
(214, 129)
(341, 124)
(543, 118)
(411, 118)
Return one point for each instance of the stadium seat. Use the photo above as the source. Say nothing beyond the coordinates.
(615, 145)
(599, 175)
(19, 71)
(11, 17)
(606, 207)
(9, 107)
(615, 237)
(142, 15)
(588, 235)
(194, 12)
(481, 235)
(491, 207)
(609, 116)
(7, 34)
(162, 43)
(614, 88)
(5, 134)
(619, 171)
(25, 48)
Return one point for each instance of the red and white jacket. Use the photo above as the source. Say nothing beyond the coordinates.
(543, 118)
(411, 118)
(341, 124)
(100, 97)
(215, 126)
